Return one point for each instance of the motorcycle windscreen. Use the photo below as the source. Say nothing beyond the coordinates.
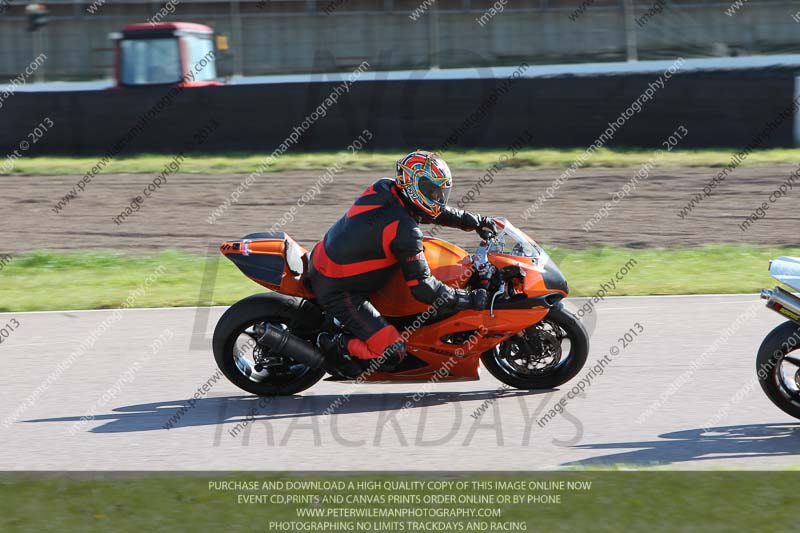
(787, 271)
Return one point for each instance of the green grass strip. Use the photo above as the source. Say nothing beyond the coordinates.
(96, 280)
(543, 158)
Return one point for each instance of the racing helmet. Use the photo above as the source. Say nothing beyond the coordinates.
(424, 179)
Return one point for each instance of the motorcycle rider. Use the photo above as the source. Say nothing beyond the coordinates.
(362, 250)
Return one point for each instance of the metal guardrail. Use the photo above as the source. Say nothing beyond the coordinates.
(389, 40)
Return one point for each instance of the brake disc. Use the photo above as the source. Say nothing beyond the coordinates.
(545, 344)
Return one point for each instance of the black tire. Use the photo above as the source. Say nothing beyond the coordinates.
(299, 315)
(778, 343)
(562, 371)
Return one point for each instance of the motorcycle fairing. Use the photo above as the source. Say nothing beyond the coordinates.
(787, 271)
(271, 259)
(460, 361)
(448, 263)
(276, 261)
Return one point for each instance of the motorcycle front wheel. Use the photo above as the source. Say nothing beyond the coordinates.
(778, 367)
(544, 356)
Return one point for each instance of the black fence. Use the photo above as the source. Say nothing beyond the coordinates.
(720, 108)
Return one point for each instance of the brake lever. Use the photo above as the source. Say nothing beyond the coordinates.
(500, 290)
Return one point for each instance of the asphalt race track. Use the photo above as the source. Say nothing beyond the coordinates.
(127, 389)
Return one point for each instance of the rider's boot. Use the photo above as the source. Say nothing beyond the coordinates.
(337, 361)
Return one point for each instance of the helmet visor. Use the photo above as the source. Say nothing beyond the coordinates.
(433, 192)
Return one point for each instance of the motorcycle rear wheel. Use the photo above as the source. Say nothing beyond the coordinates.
(237, 352)
(777, 374)
(535, 358)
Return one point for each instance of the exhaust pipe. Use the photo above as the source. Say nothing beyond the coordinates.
(783, 302)
(281, 341)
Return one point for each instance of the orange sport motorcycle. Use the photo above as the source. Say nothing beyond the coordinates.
(265, 345)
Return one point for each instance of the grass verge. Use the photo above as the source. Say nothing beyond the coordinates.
(544, 158)
(96, 280)
(604, 501)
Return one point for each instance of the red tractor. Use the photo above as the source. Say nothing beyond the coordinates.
(165, 53)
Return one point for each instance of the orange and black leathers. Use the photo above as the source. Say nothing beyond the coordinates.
(362, 250)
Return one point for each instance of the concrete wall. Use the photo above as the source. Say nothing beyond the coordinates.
(719, 108)
(298, 36)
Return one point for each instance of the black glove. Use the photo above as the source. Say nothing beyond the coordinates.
(477, 299)
(486, 228)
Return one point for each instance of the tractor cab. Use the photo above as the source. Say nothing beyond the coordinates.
(167, 53)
